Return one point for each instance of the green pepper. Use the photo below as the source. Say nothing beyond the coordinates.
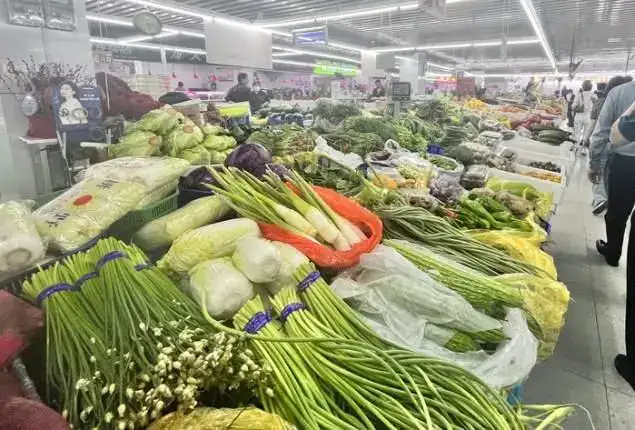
(502, 216)
(481, 212)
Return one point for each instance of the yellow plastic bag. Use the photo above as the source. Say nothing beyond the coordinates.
(524, 246)
(545, 303)
(221, 419)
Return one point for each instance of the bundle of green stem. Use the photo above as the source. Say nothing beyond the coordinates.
(420, 226)
(270, 201)
(123, 342)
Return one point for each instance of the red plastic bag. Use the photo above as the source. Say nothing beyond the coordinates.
(322, 255)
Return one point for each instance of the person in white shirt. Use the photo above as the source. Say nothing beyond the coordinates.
(582, 107)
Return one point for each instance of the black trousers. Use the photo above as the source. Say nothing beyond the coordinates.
(621, 199)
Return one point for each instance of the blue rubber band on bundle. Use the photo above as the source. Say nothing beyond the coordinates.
(257, 322)
(140, 267)
(310, 279)
(289, 309)
(114, 255)
(49, 291)
(84, 278)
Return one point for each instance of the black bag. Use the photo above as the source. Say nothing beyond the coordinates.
(579, 108)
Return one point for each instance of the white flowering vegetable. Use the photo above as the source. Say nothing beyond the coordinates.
(291, 259)
(161, 232)
(20, 243)
(220, 286)
(205, 243)
(258, 259)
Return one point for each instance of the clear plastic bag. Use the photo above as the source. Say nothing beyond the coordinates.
(151, 172)
(405, 306)
(20, 243)
(85, 211)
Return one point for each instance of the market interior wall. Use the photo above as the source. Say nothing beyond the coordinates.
(20, 43)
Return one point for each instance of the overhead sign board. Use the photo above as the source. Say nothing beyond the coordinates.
(327, 68)
(313, 36)
(433, 7)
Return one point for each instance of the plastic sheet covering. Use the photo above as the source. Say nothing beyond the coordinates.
(85, 211)
(161, 232)
(221, 419)
(546, 301)
(385, 283)
(400, 310)
(151, 172)
(20, 243)
(157, 194)
(523, 246)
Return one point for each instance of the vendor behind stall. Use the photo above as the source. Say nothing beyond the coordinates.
(379, 90)
(239, 92)
(259, 97)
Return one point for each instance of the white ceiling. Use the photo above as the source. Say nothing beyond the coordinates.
(601, 30)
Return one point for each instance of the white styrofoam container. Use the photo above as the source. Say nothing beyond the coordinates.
(522, 143)
(521, 168)
(525, 157)
(539, 184)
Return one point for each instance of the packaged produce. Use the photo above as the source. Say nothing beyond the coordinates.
(196, 155)
(545, 176)
(136, 144)
(291, 259)
(150, 172)
(520, 189)
(219, 143)
(545, 165)
(20, 245)
(474, 176)
(183, 136)
(259, 259)
(160, 121)
(161, 232)
(446, 187)
(220, 286)
(85, 211)
(206, 243)
(248, 418)
(157, 194)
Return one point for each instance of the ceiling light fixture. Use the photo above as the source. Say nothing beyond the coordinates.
(283, 54)
(134, 39)
(168, 8)
(439, 66)
(356, 13)
(316, 54)
(303, 64)
(108, 20)
(456, 45)
(530, 11)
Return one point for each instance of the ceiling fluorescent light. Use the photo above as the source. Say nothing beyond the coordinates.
(318, 27)
(316, 54)
(283, 54)
(530, 11)
(456, 45)
(439, 66)
(161, 6)
(107, 20)
(528, 41)
(399, 57)
(144, 38)
(345, 46)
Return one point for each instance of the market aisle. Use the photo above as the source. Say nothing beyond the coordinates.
(581, 370)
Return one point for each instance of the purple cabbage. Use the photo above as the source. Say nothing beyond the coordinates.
(252, 157)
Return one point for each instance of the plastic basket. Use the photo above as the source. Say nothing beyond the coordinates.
(126, 226)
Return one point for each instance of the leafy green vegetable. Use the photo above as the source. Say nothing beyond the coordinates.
(182, 137)
(335, 112)
(196, 155)
(352, 141)
(136, 144)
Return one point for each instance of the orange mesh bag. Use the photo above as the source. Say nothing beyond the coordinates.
(322, 255)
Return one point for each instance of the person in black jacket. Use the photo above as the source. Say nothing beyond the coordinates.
(239, 92)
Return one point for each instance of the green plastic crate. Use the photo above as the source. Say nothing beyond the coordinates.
(128, 225)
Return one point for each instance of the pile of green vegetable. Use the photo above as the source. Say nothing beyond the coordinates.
(386, 129)
(485, 212)
(334, 113)
(551, 135)
(285, 140)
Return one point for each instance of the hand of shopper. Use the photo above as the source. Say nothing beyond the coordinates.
(594, 176)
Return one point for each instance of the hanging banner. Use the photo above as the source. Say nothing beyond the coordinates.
(237, 45)
(433, 7)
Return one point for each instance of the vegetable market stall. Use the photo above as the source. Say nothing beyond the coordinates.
(283, 286)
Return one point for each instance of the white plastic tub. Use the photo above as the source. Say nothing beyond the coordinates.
(520, 168)
(524, 144)
(539, 184)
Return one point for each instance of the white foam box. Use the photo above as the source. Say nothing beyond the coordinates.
(522, 143)
(521, 168)
(525, 157)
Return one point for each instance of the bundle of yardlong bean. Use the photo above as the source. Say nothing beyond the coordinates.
(420, 226)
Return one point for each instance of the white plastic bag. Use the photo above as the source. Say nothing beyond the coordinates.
(20, 243)
(405, 306)
(350, 160)
(222, 287)
(291, 260)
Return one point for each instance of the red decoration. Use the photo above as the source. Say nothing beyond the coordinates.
(42, 126)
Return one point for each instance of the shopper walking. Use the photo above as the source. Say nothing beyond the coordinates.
(239, 92)
(598, 203)
(582, 107)
(569, 98)
(618, 173)
(621, 185)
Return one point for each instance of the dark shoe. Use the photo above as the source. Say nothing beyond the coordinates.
(600, 245)
(626, 369)
(599, 207)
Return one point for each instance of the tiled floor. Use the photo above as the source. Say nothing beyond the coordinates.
(581, 370)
